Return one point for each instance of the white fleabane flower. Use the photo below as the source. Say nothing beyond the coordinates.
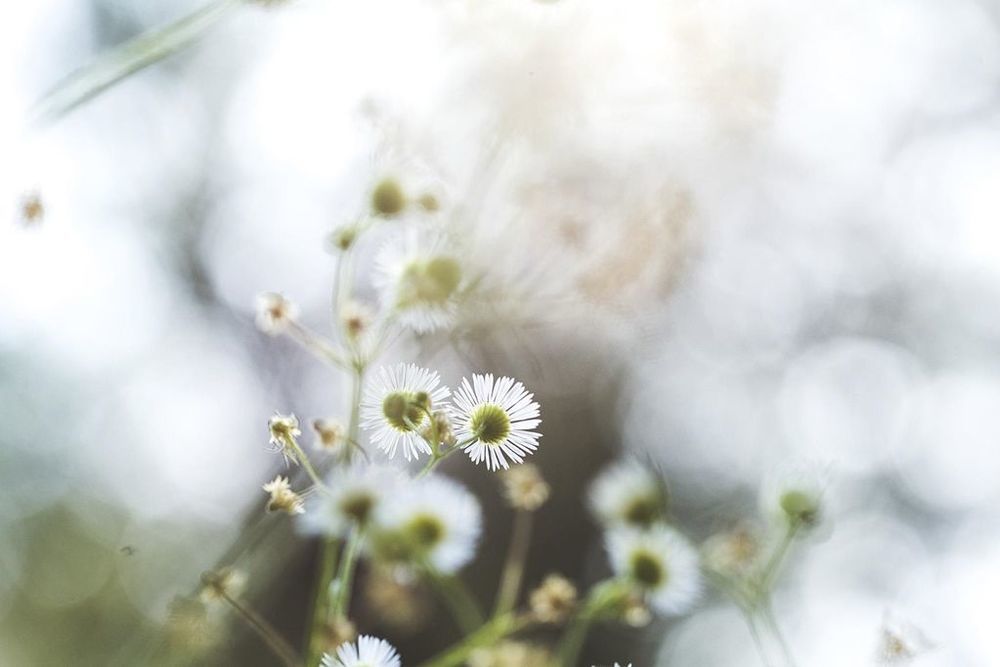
(274, 313)
(432, 520)
(395, 408)
(368, 651)
(494, 420)
(351, 498)
(628, 493)
(420, 282)
(794, 495)
(660, 562)
(284, 429)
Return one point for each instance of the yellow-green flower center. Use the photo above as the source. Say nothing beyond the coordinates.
(358, 506)
(405, 410)
(642, 511)
(647, 569)
(490, 424)
(799, 506)
(424, 531)
(432, 281)
(388, 198)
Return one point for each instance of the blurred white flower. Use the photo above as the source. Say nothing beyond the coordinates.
(661, 562)
(495, 420)
(396, 406)
(351, 498)
(432, 519)
(627, 493)
(368, 651)
(275, 313)
(420, 279)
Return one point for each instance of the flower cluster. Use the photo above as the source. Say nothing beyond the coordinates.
(406, 409)
(649, 556)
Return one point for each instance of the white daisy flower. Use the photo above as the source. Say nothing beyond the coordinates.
(395, 408)
(628, 493)
(352, 496)
(431, 519)
(494, 420)
(368, 651)
(793, 494)
(420, 281)
(659, 561)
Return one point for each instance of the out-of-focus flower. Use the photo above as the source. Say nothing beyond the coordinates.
(627, 493)
(420, 279)
(496, 420)
(331, 434)
(219, 584)
(356, 318)
(731, 553)
(275, 313)
(189, 628)
(660, 562)
(343, 237)
(794, 495)
(553, 600)
(388, 199)
(367, 652)
(351, 498)
(432, 520)
(284, 429)
(900, 643)
(32, 209)
(396, 601)
(283, 499)
(525, 487)
(509, 653)
(396, 406)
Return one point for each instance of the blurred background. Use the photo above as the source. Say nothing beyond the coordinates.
(724, 235)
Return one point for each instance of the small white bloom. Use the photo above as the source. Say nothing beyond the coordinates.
(793, 495)
(395, 408)
(495, 420)
(275, 313)
(628, 493)
(420, 281)
(659, 561)
(284, 429)
(352, 496)
(367, 652)
(283, 499)
(432, 519)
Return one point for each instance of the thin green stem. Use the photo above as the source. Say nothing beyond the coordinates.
(321, 599)
(129, 58)
(767, 613)
(345, 577)
(319, 346)
(307, 465)
(513, 571)
(576, 634)
(487, 635)
(463, 607)
(266, 632)
(770, 572)
(758, 640)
